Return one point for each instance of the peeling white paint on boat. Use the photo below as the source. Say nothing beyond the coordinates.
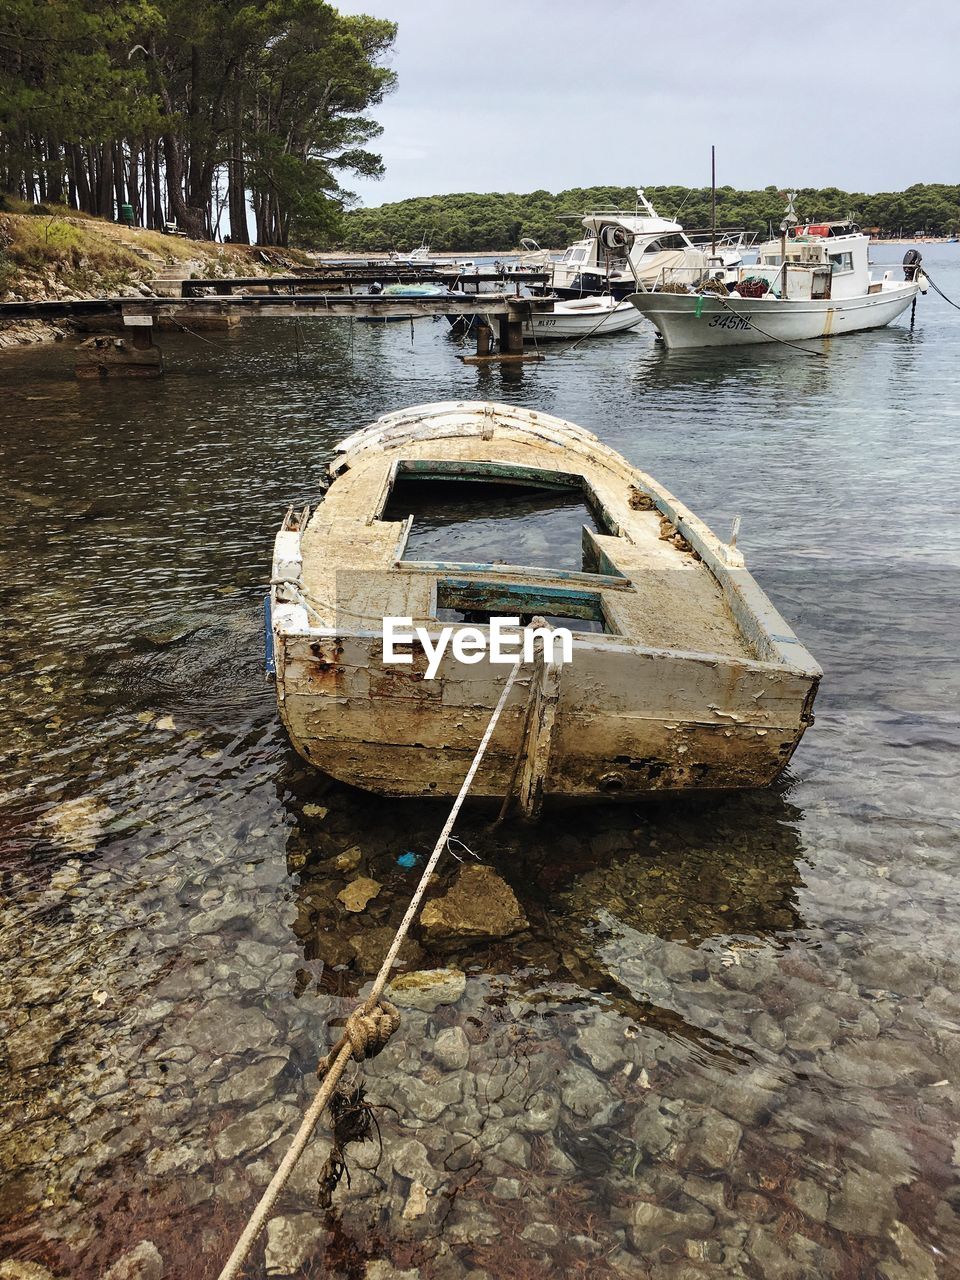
(696, 682)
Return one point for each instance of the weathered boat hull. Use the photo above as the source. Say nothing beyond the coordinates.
(685, 678)
(628, 722)
(686, 321)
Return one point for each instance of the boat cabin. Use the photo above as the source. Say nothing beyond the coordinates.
(622, 247)
(823, 260)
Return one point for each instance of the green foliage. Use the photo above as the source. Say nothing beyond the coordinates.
(95, 94)
(496, 221)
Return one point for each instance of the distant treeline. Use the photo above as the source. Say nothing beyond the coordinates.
(191, 110)
(499, 220)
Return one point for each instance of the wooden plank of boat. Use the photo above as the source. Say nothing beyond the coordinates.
(689, 679)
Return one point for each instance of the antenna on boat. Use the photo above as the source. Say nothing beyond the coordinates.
(642, 200)
(790, 220)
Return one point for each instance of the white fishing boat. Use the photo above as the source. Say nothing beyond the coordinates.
(580, 318)
(418, 257)
(681, 674)
(812, 282)
(623, 252)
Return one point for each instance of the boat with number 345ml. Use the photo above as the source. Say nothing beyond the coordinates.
(812, 282)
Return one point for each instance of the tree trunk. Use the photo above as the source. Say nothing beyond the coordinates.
(150, 218)
(134, 183)
(78, 177)
(159, 211)
(116, 161)
(188, 219)
(54, 171)
(93, 169)
(236, 178)
(41, 165)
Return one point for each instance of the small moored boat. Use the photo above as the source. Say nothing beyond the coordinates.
(681, 674)
(422, 289)
(581, 318)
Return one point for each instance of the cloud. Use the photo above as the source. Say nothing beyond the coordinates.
(558, 94)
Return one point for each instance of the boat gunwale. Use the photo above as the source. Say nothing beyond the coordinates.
(763, 626)
(656, 301)
(605, 640)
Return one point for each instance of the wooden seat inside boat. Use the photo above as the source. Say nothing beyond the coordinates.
(650, 590)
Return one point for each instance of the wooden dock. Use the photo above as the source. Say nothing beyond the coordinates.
(509, 310)
(323, 281)
(272, 305)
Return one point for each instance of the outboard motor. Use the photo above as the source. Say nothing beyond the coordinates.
(911, 264)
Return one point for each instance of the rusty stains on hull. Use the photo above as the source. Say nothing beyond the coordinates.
(686, 677)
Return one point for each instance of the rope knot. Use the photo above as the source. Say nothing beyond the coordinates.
(365, 1033)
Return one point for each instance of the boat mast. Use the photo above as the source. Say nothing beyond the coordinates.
(789, 220)
(713, 201)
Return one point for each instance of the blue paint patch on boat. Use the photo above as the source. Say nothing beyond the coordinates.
(269, 661)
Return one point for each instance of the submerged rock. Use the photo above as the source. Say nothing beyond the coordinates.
(409, 1158)
(651, 1225)
(348, 861)
(810, 1198)
(452, 1049)
(370, 947)
(601, 1042)
(426, 989)
(14, 1269)
(479, 905)
(291, 1241)
(383, 1270)
(416, 1205)
(78, 824)
(359, 893)
(143, 1262)
(864, 1205)
(254, 1131)
(715, 1141)
(254, 1082)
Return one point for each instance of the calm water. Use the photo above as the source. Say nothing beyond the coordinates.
(729, 1042)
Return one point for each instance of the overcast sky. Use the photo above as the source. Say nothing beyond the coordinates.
(495, 95)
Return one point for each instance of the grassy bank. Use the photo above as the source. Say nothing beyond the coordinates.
(48, 252)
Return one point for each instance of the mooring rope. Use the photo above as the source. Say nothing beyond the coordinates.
(606, 315)
(936, 288)
(772, 336)
(369, 1026)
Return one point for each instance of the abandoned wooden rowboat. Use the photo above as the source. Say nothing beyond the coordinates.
(682, 674)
